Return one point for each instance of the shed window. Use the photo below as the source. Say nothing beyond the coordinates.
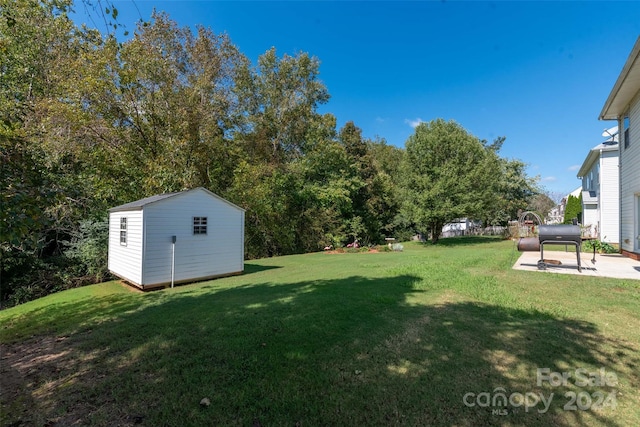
(199, 225)
(123, 231)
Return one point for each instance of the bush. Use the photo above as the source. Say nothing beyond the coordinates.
(397, 247)
(601, 247)
(28, 274)
(89, 248)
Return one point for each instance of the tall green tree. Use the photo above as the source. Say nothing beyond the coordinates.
(281, 96)
(297, 206)
(44, 59)
(512, 192)
(445, 175)
(172, 107)
(374, 201)
(361, 223)
(387, 160)
(279, 128)
(34, 36)
(573, 209)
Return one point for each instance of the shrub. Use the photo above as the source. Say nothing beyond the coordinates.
(89, 247)
(397, 247)
(601, 247)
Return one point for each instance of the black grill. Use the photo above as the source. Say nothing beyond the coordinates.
(559, 235)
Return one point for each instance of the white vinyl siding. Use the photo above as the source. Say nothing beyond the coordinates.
(591, 217)
(609, 197)
(216, 250)
(220, 251)
(638, 223)
(630, 181)
(126, 260)
(601, 208)
(591, 211)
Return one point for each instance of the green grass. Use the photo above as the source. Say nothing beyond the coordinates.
(321, 339)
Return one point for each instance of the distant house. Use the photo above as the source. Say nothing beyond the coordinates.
(575, 193)
(556, 215)
(176, 237)
(623, 105)
(600, 192)
(459, 227)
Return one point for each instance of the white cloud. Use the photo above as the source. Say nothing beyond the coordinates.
(574, 167)
(413, 123)
(549, 179)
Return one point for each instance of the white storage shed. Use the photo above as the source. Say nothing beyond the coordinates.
(176, 238)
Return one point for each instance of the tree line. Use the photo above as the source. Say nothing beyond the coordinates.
(89, 123)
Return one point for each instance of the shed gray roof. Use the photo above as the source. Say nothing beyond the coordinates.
(139, 204)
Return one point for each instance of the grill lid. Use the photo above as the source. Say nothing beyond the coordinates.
(560, 232)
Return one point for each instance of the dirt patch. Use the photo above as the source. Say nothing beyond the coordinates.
(46, 381)
(28, 373)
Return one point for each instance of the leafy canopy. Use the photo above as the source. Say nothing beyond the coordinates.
(447, 173)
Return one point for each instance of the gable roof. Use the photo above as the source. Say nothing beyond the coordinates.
(593, 155)
(140, 204)
(625, 88)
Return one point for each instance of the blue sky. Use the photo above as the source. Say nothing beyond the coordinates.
(537, 72)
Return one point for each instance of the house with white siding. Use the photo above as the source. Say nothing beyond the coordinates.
(556, 214)
(623, 105)
(459, 227)
(176, 238)
(600, 192)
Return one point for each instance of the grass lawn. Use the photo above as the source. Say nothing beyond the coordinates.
(434, 335)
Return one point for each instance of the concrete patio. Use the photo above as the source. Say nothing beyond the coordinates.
(605, 265)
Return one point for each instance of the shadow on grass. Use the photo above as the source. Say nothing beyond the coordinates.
(69, 316)
(350, 351)
(250, 268)
(464, 241)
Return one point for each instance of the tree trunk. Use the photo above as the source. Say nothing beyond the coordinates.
(436, 230)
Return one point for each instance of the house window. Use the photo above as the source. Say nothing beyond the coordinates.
(123, 231)
(625, 126)
(199, 225)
